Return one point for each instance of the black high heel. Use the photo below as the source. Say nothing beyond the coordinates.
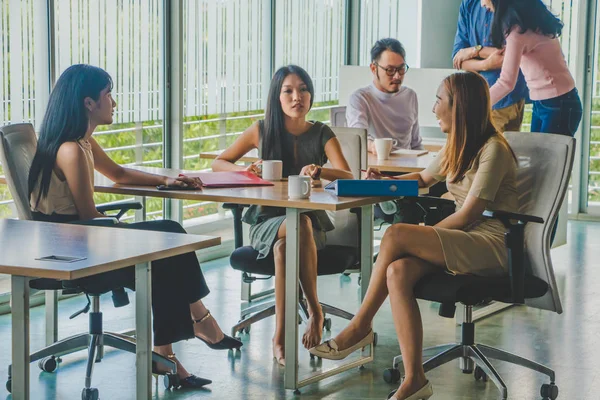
(172, 380)
(227, 343)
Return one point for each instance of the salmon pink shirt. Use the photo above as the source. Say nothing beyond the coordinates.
(543, 64)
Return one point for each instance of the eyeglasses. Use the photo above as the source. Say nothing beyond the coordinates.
(391, 71)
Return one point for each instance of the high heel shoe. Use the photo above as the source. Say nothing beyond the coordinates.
(172, 380)
(330, 351)
(227, 343)
(422, 394)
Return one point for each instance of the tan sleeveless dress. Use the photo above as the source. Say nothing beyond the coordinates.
(60, 199)
(479, 249)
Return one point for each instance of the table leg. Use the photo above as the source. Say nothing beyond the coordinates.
(292, 260)
(366, 248)
(20, 337)
(140, 215)
(143, 349)
(51, 309)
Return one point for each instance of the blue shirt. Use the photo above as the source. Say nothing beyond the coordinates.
(474, 28)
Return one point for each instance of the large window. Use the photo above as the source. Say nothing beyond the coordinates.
(228, 63)
(125, 39)
(388, 18)
(23, 75)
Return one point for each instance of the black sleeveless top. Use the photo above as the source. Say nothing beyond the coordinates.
(298, 151)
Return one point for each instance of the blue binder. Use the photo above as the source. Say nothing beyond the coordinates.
(392, 188)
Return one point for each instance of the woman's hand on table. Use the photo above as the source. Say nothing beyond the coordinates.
(184, 181)
(255, 168)
(314, 171)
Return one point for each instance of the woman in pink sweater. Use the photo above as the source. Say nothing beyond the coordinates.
(531, 33)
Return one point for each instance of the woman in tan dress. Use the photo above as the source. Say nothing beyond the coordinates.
(480, 168)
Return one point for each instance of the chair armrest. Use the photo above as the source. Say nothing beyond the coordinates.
(505, 217)
(238, 230)
(102, 221)
(432, 201)
(514, 239)
(122, 207)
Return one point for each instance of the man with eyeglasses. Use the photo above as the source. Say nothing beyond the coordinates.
(386, 108)
(473, 51)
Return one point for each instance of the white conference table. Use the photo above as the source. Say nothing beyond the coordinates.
(127, 247)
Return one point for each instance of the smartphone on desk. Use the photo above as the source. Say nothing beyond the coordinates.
(177, 187)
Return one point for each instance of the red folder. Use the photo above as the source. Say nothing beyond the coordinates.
(229, 179)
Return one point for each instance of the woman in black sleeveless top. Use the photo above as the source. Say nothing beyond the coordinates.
(304, 147)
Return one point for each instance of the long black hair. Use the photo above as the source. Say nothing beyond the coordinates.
(274, 124)
(526, 15)
(65, 119)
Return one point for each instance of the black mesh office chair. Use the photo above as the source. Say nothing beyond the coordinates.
(333, 259)
(17, 148)
(545, 163)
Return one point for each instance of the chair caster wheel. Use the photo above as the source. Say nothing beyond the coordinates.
(479, 374)
(171, 381)
(90, 394)
(9, 385)
(549, 391)
(391, 375)
(327, 324)
(48, 364)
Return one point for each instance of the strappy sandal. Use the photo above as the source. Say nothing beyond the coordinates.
(227, 343)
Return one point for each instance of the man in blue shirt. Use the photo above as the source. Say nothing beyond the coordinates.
(473, 52)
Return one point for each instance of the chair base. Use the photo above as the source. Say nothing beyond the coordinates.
(479, 355)
(470, 354)
(94, 341)
(261, 311)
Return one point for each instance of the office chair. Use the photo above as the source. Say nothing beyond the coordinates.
(545, 163)
(17, 148)
(337, 116)
(341, 255)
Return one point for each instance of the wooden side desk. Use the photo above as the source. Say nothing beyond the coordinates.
(402, 164)
(127, 247)
(395, 163)
(277, 196)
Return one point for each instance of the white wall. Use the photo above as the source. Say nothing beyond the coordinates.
(437, 28)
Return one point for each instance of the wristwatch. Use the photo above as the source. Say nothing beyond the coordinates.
(478, 49)
(317, 174)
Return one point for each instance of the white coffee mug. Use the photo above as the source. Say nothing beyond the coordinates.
(383, 147)
(298, 186)
(272, 170)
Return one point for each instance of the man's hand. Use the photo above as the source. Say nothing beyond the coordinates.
(494, 60)
(374, 173)
(371, 146)
(463, 55)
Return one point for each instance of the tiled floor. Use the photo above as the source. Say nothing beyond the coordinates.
(569, 343)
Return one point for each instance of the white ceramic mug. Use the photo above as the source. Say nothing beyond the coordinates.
(298, 187)
(383, 147)
(272, 170)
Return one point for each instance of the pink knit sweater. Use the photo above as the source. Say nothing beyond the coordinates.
(542, 62)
